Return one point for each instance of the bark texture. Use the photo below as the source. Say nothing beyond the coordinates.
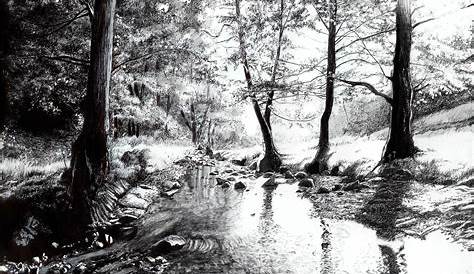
(319, 163)
(400, 143)
(89, 163)
(271, 159)
(4, 50)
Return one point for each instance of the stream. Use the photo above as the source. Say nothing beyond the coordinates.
(274, 230)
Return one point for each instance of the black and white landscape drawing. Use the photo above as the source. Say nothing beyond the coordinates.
(237, 136)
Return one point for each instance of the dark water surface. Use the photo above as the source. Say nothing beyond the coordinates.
(273, 230)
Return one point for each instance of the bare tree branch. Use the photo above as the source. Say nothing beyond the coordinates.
(370, 88)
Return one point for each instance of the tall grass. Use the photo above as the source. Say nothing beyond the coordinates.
(18, 169)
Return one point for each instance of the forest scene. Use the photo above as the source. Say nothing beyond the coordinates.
(237, 136)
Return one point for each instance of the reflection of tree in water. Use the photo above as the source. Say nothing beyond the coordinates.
(381, 213)
(326, 260)
(266, 225)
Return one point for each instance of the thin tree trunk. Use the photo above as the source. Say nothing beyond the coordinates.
(89, 163)
(4, 49)
(319, 162)
(271, 160)
(268, 107)
(400, 143)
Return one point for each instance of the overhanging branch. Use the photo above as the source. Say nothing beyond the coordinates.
(370, 88)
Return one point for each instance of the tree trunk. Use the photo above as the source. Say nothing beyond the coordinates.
(268, 107)
(400, 143)
(319, 162)
(89, 163)
(271, 160)
(4, 48)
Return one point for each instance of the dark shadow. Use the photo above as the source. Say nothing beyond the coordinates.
(383, 209)
(381, 213)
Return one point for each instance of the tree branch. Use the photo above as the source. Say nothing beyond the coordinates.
(370, 88)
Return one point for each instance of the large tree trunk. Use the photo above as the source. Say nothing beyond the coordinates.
(4, 48)
(400, 143)
(89, 163)
(319, 162)
(271, 160)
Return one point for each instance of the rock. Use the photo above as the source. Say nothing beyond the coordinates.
(127, 218)
(108, 239)
(220, 181)
(128, 232)
(289, 175)
(268, 174)
(167, 244)
(467, 182)
(168, 185)
(132, 200)
(98, 244)
(135, 157)
(4, 269)
(234, 174)
(169, 193)
(215, 172)
(238, 162)
(301, 175)
(32, 231)
(284, 169)
(351, 186)
(375, 180)
(268, 182)
(306, 182)
(362, 186)
(36, 260)
(325, 172)
(335, 171)
(231, 179)
(229, 170)
(280, 181)
(225, 185)
(337, 187)
(240, 185)
(253, 165)
(323, 190)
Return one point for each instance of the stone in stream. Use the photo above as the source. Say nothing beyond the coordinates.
(225, 185)
(323, 190)
(269, 182)
(306, 182)
(215, 172)
(253, 165)
(168, 244)
(234, 174)
(284, 169)
(240, 185)
(168, 185)
(337, 187)
(231, 179)
(220, 181)
(127, 218)
(289, 175)
(169, 193)
(268, 174)
(301, 175)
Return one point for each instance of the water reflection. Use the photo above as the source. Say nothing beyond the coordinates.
(272, 230)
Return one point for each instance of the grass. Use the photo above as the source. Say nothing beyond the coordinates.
(18, 169)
